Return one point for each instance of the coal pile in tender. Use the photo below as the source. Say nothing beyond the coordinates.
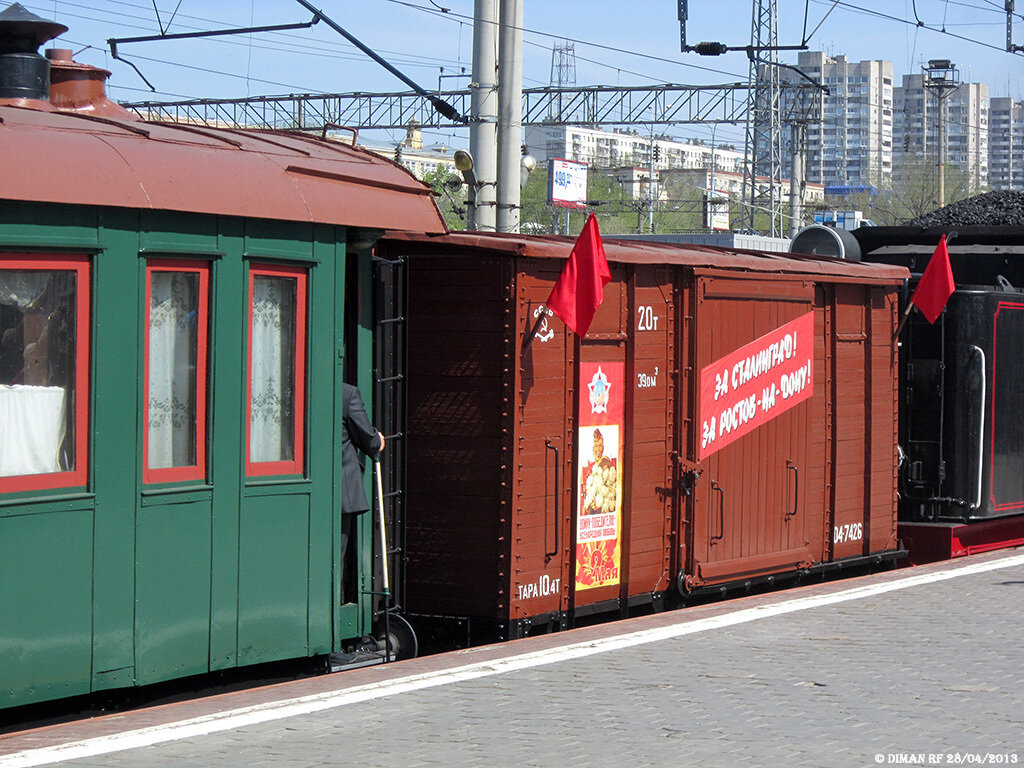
(1004, 208)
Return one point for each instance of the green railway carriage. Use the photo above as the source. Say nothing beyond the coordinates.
(179, 306)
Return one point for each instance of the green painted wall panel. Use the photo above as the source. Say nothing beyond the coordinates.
(335, 238)
(115, 447)
(48, 226)
(172, 591)
(229, 316)
(278, 239)
(325, 516)
(273, 578)
(178, 233)
(45, 606)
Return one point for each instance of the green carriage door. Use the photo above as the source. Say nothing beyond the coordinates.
(47, 595)
(174, 520)
(274, 520)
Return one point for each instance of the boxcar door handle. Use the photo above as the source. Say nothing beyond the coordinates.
(558, 492)
(721, 512)
(796, 489)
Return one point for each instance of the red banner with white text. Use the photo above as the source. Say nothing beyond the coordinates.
(751, 386)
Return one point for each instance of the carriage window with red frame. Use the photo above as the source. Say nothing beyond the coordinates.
(177, 312)
(276, 370)
(44, 371)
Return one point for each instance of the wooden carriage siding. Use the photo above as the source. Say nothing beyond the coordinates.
(113, 576)
(491, 522)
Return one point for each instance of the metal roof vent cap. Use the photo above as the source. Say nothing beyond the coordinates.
(24, 74)
(826, 241)
(82, 88)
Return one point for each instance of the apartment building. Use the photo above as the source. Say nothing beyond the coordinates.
(964, 112)
(1006, 144)
(624, 148)
(853, 145)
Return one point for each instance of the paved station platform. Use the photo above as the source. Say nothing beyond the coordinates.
(921, 666)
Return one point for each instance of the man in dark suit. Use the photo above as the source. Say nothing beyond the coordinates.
(356, 432)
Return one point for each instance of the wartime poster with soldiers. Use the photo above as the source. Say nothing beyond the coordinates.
(599, 489)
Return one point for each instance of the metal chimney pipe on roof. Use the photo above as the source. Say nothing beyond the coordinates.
(24, 74)
(81, 88)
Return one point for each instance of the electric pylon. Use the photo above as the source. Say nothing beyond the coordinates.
(763, 145)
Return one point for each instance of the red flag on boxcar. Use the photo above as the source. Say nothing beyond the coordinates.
(936, 284)
(579, 290)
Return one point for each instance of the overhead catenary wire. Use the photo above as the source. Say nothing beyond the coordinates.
(806, 37)
(600, 46)
(306, 47)
(310, 49)
(163, 29)
(879, 14)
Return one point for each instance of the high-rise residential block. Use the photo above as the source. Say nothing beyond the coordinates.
(1006, 144)
(853, 144)
(964, 112)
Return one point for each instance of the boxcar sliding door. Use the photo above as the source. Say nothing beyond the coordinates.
(650, 400)
(753, 356)
(862, 405)
(543, 456)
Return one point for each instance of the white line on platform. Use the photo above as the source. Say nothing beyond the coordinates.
(278, 710)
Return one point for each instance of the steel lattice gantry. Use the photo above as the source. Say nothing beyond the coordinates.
(594, 105)
(763, 146)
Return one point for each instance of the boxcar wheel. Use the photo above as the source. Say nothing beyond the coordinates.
(682, 586)
(401, 638)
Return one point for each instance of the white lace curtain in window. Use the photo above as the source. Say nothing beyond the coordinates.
(272, 410)
(173, 339)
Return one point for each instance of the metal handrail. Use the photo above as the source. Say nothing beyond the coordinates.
(796, 495)
(558, 492)
(721, 512)
(981, 428)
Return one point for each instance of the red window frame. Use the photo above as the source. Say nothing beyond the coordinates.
(296, 465)
(80, 266)
(195, 471)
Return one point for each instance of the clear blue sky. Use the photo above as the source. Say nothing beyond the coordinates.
(616, 42)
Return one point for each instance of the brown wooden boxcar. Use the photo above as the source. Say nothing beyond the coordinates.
(729, 416)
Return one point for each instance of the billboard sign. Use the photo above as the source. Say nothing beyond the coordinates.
(567, 183)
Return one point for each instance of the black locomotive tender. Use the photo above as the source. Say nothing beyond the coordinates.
(961, 379)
